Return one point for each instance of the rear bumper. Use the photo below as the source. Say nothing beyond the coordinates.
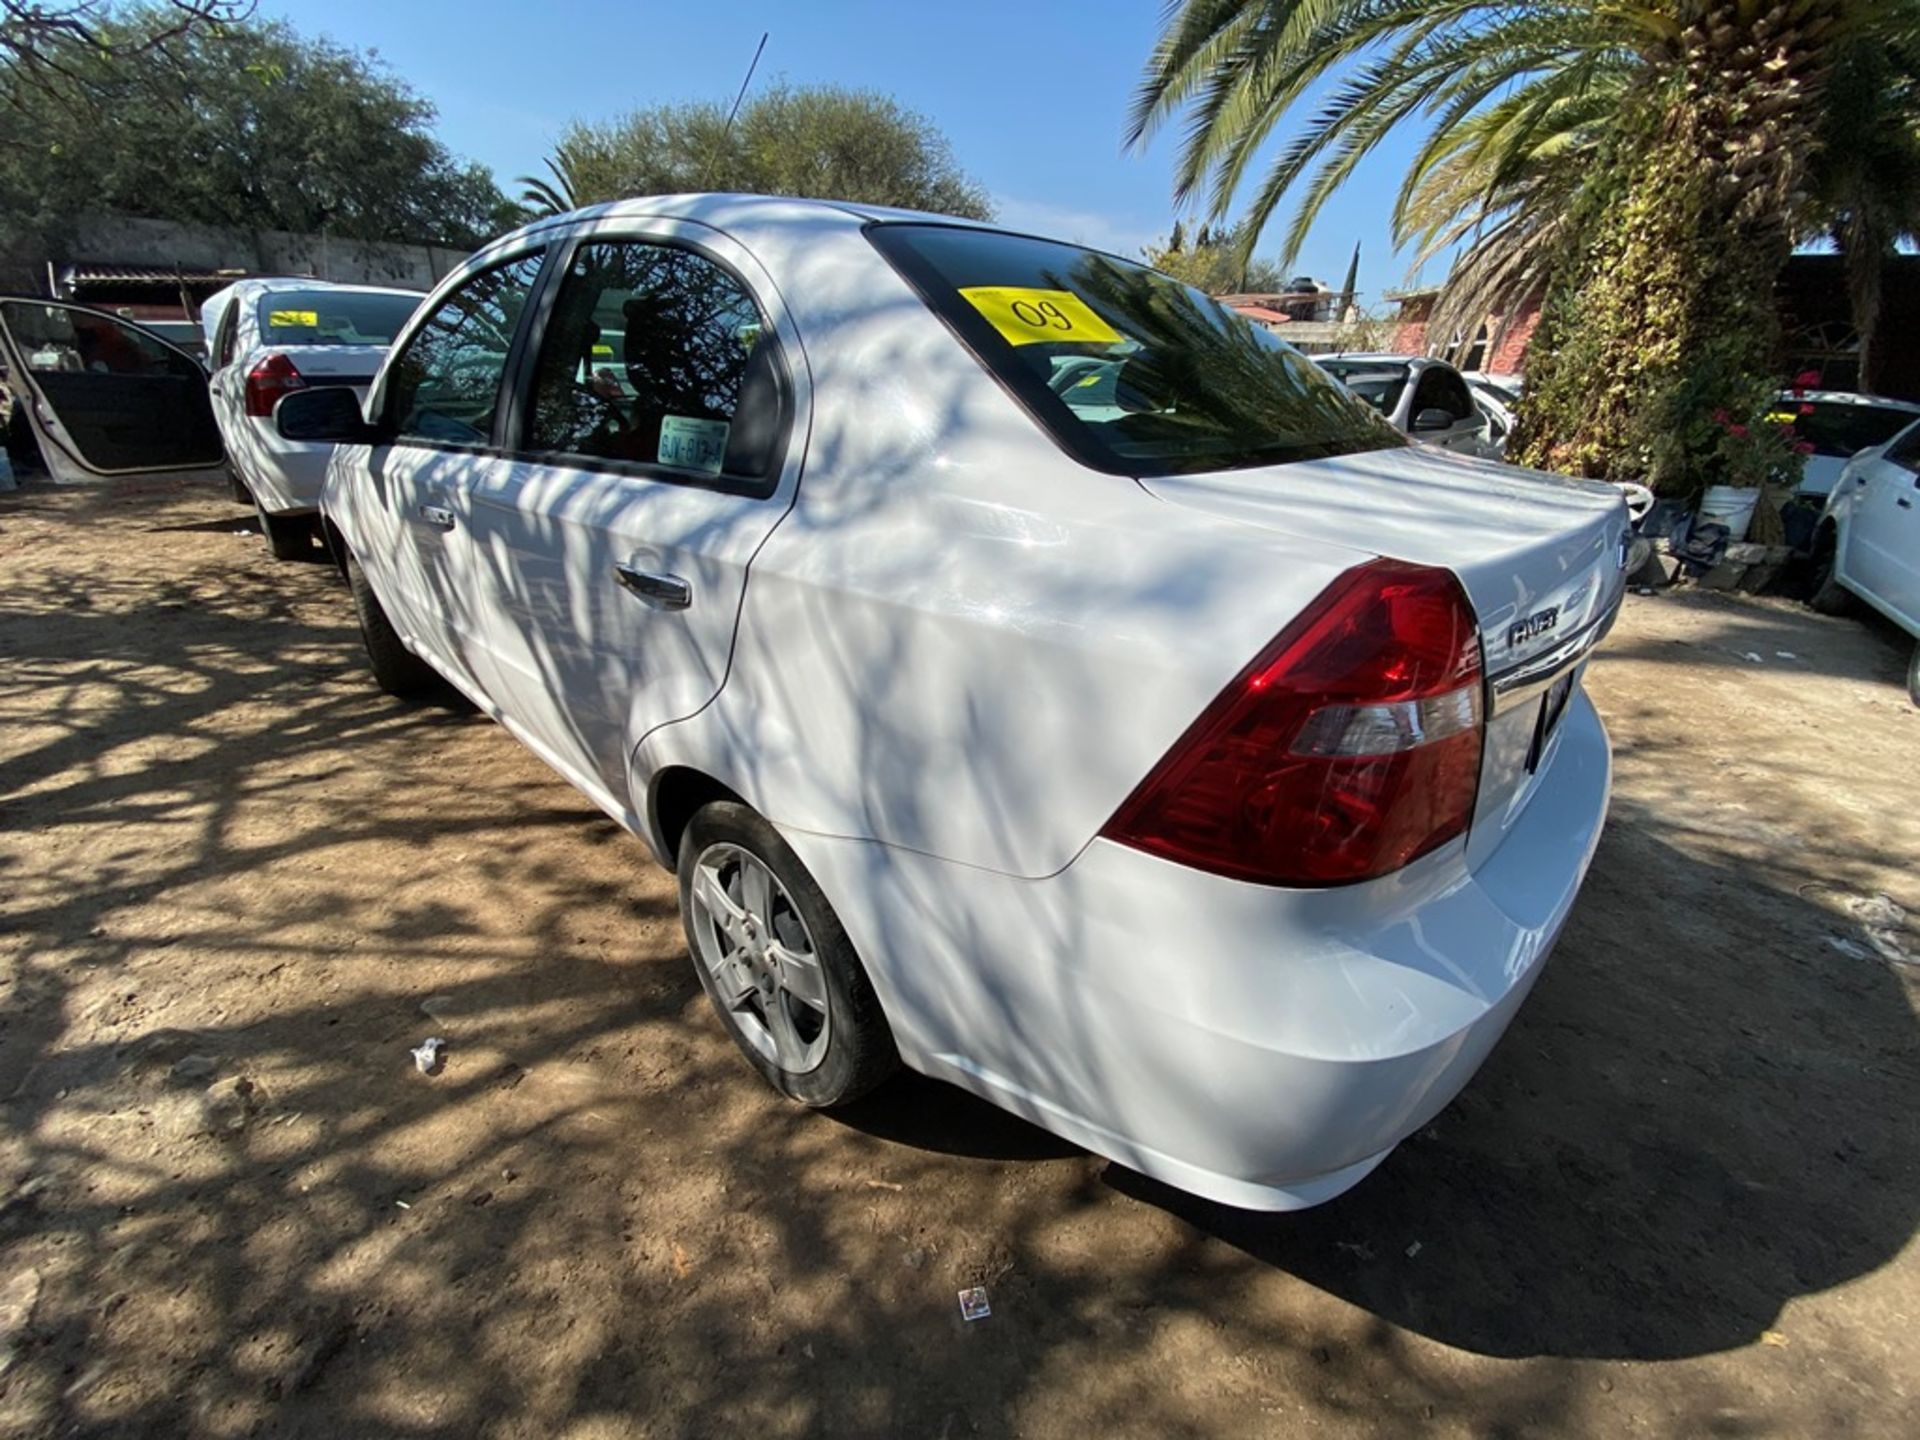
(1265, 1048)
(285, 476)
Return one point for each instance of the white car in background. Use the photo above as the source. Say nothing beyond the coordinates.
(1839, 426)
(1868, 545)
(1033, 674)
(1419, 396)
(267, 338)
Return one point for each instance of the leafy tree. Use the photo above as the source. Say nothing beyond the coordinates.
(1653, 159)
(817, 141)
(1213, 261)
(250, 126)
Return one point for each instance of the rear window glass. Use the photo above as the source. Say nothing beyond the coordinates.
(1840, 430)
(332, 317)
(1129, 371)
(1379, 384)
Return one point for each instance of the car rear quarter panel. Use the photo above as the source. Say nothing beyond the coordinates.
(959, 641)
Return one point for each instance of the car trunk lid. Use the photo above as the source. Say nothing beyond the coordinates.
(351, 365)
(1540, 557)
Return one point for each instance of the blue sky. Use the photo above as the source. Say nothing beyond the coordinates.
(1033, 95)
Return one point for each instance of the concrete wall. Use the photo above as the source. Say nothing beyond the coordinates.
(125, 240)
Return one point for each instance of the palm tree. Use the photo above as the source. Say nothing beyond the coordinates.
(1867, 174)
(555, 197)
(1650, 156)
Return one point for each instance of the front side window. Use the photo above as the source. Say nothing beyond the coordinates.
(1905, 450)
(1442, 389)
(60, 340)
(1127, 370)
(445, 385)
(657, 355)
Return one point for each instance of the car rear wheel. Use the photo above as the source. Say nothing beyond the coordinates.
(290, 537)
(776, 963)
(396, 669)
(1913, 676)
(1829, 596)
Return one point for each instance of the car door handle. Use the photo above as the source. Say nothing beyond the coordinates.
(669, 592)
(438, 516)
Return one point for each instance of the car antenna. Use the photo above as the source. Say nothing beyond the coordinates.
(727, 129)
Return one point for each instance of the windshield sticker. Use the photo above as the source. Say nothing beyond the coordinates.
(1026, 317)
(693, 444)
(284, 318)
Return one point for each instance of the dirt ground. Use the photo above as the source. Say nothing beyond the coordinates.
(1679, 1200)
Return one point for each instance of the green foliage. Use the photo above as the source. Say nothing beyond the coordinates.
(1648, 162)
(819, 141)
(247, 125)
(1214, 261)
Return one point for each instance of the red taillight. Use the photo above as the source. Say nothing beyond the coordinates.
(1349, 747)
(268, 381)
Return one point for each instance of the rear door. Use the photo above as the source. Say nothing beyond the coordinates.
(656, 454)
(106, 399)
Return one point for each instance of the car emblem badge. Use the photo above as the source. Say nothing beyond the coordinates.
(1536, 624)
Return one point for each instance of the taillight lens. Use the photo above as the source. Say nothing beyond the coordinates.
(1349, 747)
(273, 377)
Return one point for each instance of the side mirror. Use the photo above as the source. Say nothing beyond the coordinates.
(330, 413)
(1433, 419)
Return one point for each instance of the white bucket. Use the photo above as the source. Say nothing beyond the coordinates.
(1731, 506)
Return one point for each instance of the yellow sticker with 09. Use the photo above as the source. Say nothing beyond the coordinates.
(1026, 316)
(283, 318)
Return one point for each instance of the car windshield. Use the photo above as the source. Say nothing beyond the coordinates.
(333, 317)
(1840, 430)
(1377, 382)
(1129, 371)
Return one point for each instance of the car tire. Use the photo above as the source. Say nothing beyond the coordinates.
(776, 962)
(290, 537)
(1829, 596)
(1913, 676)
(396, 669)
(241, 494)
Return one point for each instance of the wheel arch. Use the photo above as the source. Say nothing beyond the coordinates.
(674, 795)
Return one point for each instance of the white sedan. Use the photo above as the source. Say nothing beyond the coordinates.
(1036, 675)
(267, 338)
(1867, 547)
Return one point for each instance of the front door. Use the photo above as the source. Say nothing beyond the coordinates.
(441, 396)
(653, 462)
(1883, 532)
(105, 398)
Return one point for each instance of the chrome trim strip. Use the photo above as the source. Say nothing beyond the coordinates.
(1531, 678)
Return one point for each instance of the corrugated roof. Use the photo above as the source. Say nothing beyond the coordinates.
(88, 272)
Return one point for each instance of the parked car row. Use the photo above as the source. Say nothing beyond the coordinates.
(1034, 675)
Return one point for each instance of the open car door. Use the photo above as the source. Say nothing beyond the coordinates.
(105, 398)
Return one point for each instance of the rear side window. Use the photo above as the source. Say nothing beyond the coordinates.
(332, 317)
(658, 356)
(1380, 384)
(1905, 452)
(1129, 371)
(445, 385)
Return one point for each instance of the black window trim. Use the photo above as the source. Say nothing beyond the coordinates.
(517, 406)
(493, 447)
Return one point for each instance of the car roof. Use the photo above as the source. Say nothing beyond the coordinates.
(1847, 397)
(1379, 357)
